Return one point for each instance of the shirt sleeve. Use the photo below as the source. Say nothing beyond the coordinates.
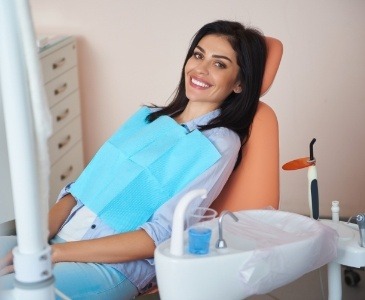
(228, 144)
(65, 191)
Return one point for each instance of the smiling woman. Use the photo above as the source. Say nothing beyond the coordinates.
(214, 53)
(240, 54)
(105, 226)
(211, 73)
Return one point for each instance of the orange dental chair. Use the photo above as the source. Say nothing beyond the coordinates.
(255, 182)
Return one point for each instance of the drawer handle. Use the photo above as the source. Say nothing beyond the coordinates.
(64, 142)
(59, 64)
(60, 89)
(67, 173)
(63, 115)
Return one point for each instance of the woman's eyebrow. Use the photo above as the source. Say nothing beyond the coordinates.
(215, 55)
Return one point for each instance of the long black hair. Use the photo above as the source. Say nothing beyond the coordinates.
(238, 109)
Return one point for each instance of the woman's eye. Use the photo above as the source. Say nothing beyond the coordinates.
(198, 55)
(220, 65)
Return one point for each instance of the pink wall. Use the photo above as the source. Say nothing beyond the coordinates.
(130, 52)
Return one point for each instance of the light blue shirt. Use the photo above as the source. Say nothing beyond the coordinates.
(141, 272)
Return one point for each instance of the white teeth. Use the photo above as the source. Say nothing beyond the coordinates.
(199, 83)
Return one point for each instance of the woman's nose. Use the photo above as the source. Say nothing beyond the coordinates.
(203, 67)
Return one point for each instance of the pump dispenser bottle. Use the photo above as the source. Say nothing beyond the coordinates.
(335, 211)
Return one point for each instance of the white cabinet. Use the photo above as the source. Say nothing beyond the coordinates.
(59, 67)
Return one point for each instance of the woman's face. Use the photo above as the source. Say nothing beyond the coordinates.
(211, 72)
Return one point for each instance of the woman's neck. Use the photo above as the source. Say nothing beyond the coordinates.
(193, 111)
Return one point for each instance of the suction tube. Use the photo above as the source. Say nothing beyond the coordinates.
(313, 184)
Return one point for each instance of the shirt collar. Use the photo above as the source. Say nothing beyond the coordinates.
(201, 120)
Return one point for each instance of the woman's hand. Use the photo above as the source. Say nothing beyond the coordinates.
(6, 264)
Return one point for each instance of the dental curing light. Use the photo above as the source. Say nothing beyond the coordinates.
(310, 163)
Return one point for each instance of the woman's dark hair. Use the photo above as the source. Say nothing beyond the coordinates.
(238, 110)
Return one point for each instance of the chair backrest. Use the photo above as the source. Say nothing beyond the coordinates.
(254, 184)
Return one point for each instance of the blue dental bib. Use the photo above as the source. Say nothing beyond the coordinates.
(141, 167)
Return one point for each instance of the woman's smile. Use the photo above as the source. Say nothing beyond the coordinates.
(198, 83)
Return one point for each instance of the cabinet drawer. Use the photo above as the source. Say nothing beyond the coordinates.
(59, 62)
(65, 171)
(62, 86)
(64, 139)
(64, 111)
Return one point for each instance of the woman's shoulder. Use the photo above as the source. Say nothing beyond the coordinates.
(224, 139)
(222, 132)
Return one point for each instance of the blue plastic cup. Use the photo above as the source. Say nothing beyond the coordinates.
(199, 234)
(199, 240)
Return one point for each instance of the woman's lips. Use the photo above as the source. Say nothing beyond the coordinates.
(199, 83)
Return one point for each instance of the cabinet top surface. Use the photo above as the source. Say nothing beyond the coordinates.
(53, 43)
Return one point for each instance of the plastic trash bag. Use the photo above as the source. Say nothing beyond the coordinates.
(287, 246)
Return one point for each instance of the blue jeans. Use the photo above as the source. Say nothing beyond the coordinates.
(79, 280)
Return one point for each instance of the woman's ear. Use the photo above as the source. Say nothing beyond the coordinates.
(237, 88)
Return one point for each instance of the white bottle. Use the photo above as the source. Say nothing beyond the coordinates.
(335, 211)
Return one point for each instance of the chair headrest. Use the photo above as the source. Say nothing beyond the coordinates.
(274, 54)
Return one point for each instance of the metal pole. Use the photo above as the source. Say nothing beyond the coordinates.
(32, 257)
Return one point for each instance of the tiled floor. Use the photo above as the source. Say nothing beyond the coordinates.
(307, 287)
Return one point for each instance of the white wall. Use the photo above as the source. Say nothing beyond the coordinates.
(131, 52)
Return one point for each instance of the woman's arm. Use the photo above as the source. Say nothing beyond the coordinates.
(118, 248)
(58, 214)
(124, 247)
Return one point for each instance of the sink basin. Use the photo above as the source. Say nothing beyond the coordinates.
(266, 249)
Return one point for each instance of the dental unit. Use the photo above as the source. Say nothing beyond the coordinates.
(248, 248)
(350, 250)
(251, 244)
(350, 246)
